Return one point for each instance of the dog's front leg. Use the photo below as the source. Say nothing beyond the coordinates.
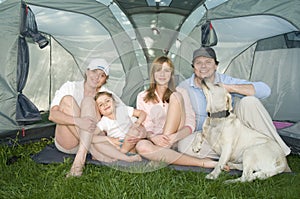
(197, 142)
(224, 158)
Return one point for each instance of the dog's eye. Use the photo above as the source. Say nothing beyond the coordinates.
(217, 84)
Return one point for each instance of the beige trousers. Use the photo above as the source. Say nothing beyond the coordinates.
(253, 114)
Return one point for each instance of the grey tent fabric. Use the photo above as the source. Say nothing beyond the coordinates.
(208, 35)
(23, 63)
(257, 40)
(292, 137)
(280, 63)
(8, 61)
(26, 111)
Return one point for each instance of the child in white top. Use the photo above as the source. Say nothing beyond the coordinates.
(117, 122)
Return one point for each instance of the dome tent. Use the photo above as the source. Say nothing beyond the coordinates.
(257, 40)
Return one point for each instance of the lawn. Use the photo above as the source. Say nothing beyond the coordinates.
(21, 177)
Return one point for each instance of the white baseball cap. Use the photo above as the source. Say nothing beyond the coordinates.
(99, 64)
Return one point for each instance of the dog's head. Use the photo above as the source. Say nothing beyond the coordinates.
(217, 97)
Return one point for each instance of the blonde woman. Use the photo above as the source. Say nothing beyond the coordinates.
(169, 118)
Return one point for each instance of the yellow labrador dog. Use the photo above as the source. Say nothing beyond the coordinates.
(238, 146)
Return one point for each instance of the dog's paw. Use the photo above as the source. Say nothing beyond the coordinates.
(196, 148)
(196, 145)
(210, 176)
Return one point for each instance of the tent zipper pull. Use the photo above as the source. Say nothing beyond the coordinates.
(23, 132)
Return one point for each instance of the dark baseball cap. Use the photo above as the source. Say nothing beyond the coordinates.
(205, 52)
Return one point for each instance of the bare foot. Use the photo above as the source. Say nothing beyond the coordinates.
(133, 158)
(96, 155)
(75, 171)
(103, 158)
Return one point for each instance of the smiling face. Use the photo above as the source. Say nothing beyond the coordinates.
(162, 74)
(96, 78)
(105, 104)
(205, 67)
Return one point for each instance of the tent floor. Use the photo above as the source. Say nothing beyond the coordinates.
(293, 143)
(29, 135)
(51, 155)
(47, 131)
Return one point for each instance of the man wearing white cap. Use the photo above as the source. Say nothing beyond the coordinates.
(249, 109)
(99, 64)
(73, 110)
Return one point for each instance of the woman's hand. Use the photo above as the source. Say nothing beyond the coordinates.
(161, 140)
(172, 138)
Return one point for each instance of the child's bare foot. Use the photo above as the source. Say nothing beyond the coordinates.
(104, 158)
(133, 158)
(122, 150)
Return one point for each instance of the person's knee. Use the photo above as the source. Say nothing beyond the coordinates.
(246, 103)
(67, 101)
(143, 147)
(68, 105)
(133, 131)
(249, 100)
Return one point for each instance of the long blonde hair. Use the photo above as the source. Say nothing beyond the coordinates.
(156, 66)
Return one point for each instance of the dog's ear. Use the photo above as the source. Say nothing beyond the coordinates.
(229, 102)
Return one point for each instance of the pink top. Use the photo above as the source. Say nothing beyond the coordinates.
(157, 112)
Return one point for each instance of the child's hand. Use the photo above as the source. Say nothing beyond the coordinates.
(137, 124)
(137, 132)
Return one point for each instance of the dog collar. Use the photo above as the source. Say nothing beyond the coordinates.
(219, 114)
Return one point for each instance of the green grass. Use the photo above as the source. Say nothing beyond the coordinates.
(24, 178)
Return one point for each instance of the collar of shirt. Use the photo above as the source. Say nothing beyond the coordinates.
(217, 78)
(192, 81)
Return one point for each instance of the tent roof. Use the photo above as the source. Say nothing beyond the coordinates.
(184, 8)
(150, 18)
